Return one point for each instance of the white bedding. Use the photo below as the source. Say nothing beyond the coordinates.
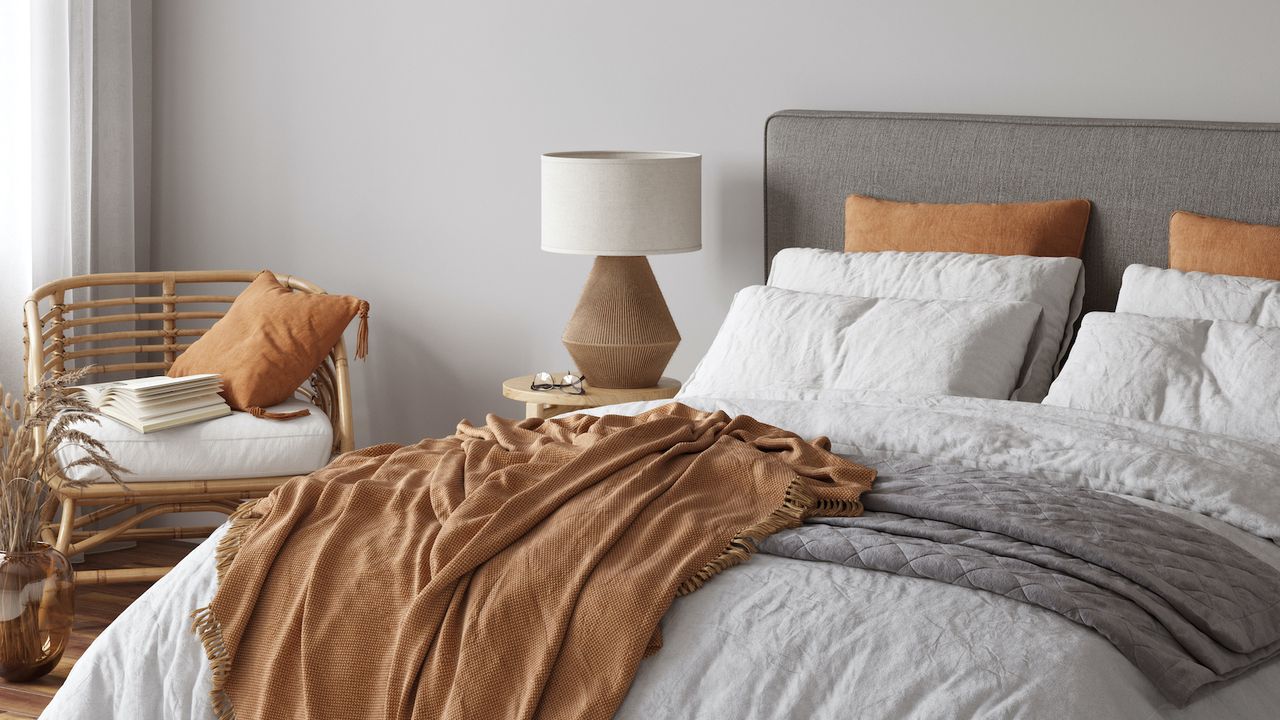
(1055, 285)
(788, 340)
(1210, 375)
(778, 638)
(1199, 296)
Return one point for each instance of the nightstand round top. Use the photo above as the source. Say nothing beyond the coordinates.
(517, 388)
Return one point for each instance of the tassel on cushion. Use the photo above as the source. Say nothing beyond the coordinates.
(362, 333)
(265, 415)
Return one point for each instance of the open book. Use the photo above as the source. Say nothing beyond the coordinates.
(157, 403)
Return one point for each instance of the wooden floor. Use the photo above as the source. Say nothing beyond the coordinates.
(96, 607)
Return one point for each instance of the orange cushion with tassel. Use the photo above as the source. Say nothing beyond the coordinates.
(270, 341)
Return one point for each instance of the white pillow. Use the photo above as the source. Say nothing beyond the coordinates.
(1215, 376)
(1199, 296)
(1054, 284)
(780, 339)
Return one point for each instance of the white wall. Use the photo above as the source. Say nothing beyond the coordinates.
(390, 149)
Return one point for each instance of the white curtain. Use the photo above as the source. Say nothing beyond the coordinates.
(90, 150)
(75, 148)
(91, 128)
(15, 184)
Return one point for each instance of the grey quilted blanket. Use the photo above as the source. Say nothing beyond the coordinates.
(1186, 606)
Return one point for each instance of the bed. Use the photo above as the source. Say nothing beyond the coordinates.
(802, 630)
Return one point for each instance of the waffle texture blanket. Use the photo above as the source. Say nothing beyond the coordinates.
(1183, 604)
(513, 570)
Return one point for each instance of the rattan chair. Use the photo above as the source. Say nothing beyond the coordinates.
(61, 334)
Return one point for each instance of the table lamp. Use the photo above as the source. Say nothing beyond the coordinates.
(621, 206)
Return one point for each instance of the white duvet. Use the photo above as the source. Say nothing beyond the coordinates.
(778, 638)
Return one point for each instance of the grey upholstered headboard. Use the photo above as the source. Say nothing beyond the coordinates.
(1136, 172)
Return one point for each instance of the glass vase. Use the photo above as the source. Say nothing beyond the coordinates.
(37, 606)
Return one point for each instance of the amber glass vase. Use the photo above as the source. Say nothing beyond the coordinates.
(37, 605)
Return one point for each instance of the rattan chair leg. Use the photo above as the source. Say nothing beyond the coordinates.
(47, 513)
(96, 538)
(120, 575)
(66, 526)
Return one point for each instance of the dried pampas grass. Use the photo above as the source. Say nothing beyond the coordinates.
(25, 460)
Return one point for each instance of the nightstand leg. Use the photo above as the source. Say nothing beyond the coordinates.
(543, 410)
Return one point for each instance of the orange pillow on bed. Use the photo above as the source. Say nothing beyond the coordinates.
(270, 341)
(1054, 228)
(1198, 243)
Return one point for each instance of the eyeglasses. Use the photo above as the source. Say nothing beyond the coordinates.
(569, 383)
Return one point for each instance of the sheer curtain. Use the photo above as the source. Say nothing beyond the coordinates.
(91, 130)
(15, 184)
(90, 148)
(75, 148)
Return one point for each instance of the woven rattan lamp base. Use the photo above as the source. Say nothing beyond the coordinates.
(621, 335)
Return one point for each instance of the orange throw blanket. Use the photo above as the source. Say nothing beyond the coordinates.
(514, 570)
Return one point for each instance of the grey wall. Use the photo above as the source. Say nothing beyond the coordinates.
(390, 149)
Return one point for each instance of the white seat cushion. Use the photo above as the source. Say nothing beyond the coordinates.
(238, 445)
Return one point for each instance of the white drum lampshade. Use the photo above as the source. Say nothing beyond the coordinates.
(621, 203)
(621, 206)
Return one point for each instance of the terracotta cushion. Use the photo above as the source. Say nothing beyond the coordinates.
(270, 341)
(1226, 247)
(1054, 228)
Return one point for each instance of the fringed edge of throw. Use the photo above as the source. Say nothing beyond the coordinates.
(798, 503)
(205, 624)
(244, 518)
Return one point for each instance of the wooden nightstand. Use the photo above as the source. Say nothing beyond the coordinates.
(546, 403)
